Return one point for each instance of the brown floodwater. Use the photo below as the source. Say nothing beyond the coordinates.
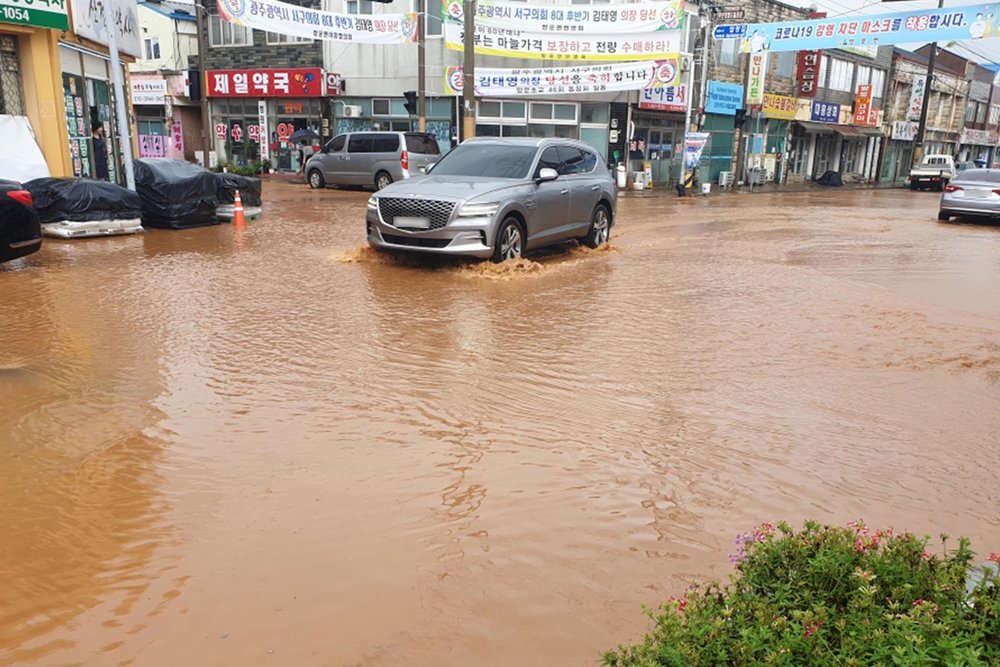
(271, 446)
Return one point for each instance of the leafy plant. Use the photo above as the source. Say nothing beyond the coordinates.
(832, 595)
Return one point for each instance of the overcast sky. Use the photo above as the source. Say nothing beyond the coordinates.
(985, 51)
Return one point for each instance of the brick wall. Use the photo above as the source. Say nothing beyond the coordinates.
(948, 93)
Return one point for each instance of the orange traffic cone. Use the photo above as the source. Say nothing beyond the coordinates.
(238, 218)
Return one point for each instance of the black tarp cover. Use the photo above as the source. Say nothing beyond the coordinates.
(175, 194)
(830, 178)
(82, 200)
(249, 188)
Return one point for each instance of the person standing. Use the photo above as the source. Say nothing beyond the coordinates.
(99, 147)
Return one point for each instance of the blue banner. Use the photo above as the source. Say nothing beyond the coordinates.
(825, 112)
(925, 25)
(723, 98)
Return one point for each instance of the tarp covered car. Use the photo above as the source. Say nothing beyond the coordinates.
(80, 207)
(175, 194)
(250, 195)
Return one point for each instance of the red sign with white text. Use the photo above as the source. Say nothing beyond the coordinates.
(286, 82)
(808, 74)
(863, 105)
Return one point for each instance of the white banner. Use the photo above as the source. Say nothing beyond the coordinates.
(572, 19)
(496, 82)
(265, 136)
(520, 44)
(904, 130)
(916, 97)
(286, 19)
(149, 91)
(88, 21)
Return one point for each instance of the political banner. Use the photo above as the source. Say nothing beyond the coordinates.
(922, 25)
(286, 19)
(534, 45)
(497, 82)
(694, 145)
(603, 19)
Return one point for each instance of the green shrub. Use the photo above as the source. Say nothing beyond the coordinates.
(831, 595)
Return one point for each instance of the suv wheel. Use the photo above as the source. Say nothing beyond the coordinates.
(510, 241)
(382, 180)
(315, 179)
(600, 228)
(944, 217)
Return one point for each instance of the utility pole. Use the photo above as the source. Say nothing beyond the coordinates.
(918, 143)
(709, 8)
(203, 83)
(124, 136)
(682, 186)
(421, 65)
(469, 71)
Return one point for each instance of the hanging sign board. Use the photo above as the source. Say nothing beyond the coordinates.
(567, 46)
(88, 21)
(571, 19)
(42, 14)
(495, 82)
(667, 98)
(286, 19)
(923, 25)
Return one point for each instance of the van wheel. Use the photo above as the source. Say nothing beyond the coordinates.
(600, 228)
(510, 241)
(316, 179)
(382, 180)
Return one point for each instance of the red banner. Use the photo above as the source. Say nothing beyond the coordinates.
(808, 73)
(863, 105)
(256, 83)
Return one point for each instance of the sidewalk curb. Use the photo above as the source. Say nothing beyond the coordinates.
(762, 189)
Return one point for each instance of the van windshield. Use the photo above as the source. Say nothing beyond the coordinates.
(486, 160)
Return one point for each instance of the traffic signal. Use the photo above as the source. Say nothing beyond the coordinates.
(739, 118)
(411, 101)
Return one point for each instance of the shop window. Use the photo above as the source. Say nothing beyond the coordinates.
(432, 19)
(864, 75)
(841, 75)
(274, 38)
(359, 7)
(151, 48)
(224, 33)
(541, 130)
(553, 112)
(11, 92)
(970, 111)
(785, 63)
(489, 109)
(380, 107)
(595, 113)
(878, 82)
(502, 112)
(980, 113)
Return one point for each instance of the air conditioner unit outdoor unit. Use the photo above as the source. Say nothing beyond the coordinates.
(352, 111)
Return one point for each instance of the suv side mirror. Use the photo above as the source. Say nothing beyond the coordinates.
(547, 174)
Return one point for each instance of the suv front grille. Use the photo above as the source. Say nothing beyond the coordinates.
(439, 212)
(415, 241)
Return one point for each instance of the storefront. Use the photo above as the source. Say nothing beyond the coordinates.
(721, 102)
(977, 145)
(658, 135)
(265, 105)
(30, 82)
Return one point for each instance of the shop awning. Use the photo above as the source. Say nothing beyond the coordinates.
(810, 126)
(842, 130)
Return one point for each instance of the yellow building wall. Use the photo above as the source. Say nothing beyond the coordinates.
(41, 74)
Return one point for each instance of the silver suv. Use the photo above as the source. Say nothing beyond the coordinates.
(497, 198)
(371, 158)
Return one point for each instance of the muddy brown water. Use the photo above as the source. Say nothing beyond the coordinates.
(272, 446)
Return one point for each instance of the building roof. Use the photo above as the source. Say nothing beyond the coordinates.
(179, 11)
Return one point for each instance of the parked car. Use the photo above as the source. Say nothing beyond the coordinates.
(934, 171)
(371, 158)
(497, 198)
(20, 230)
(974, 192)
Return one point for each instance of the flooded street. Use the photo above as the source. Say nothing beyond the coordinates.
(271, 446)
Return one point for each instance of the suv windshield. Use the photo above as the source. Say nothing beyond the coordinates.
(487, 160)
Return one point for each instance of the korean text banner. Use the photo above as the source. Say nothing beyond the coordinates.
(519, 44)
(666, 98)
(495, 82)
(926, 25)
(286, 19)
(563, 19)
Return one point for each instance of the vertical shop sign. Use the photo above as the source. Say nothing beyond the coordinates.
(177, 140)
(916, 97)
(863, 105)
(755, 81)
(808, 73)
(265, 144)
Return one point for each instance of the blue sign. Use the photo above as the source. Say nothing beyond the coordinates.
(923, 25)
(825, 112)
(730, 31)
(723, 98)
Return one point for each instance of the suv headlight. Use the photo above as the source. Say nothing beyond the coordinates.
(479, 210)
(373, 203)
